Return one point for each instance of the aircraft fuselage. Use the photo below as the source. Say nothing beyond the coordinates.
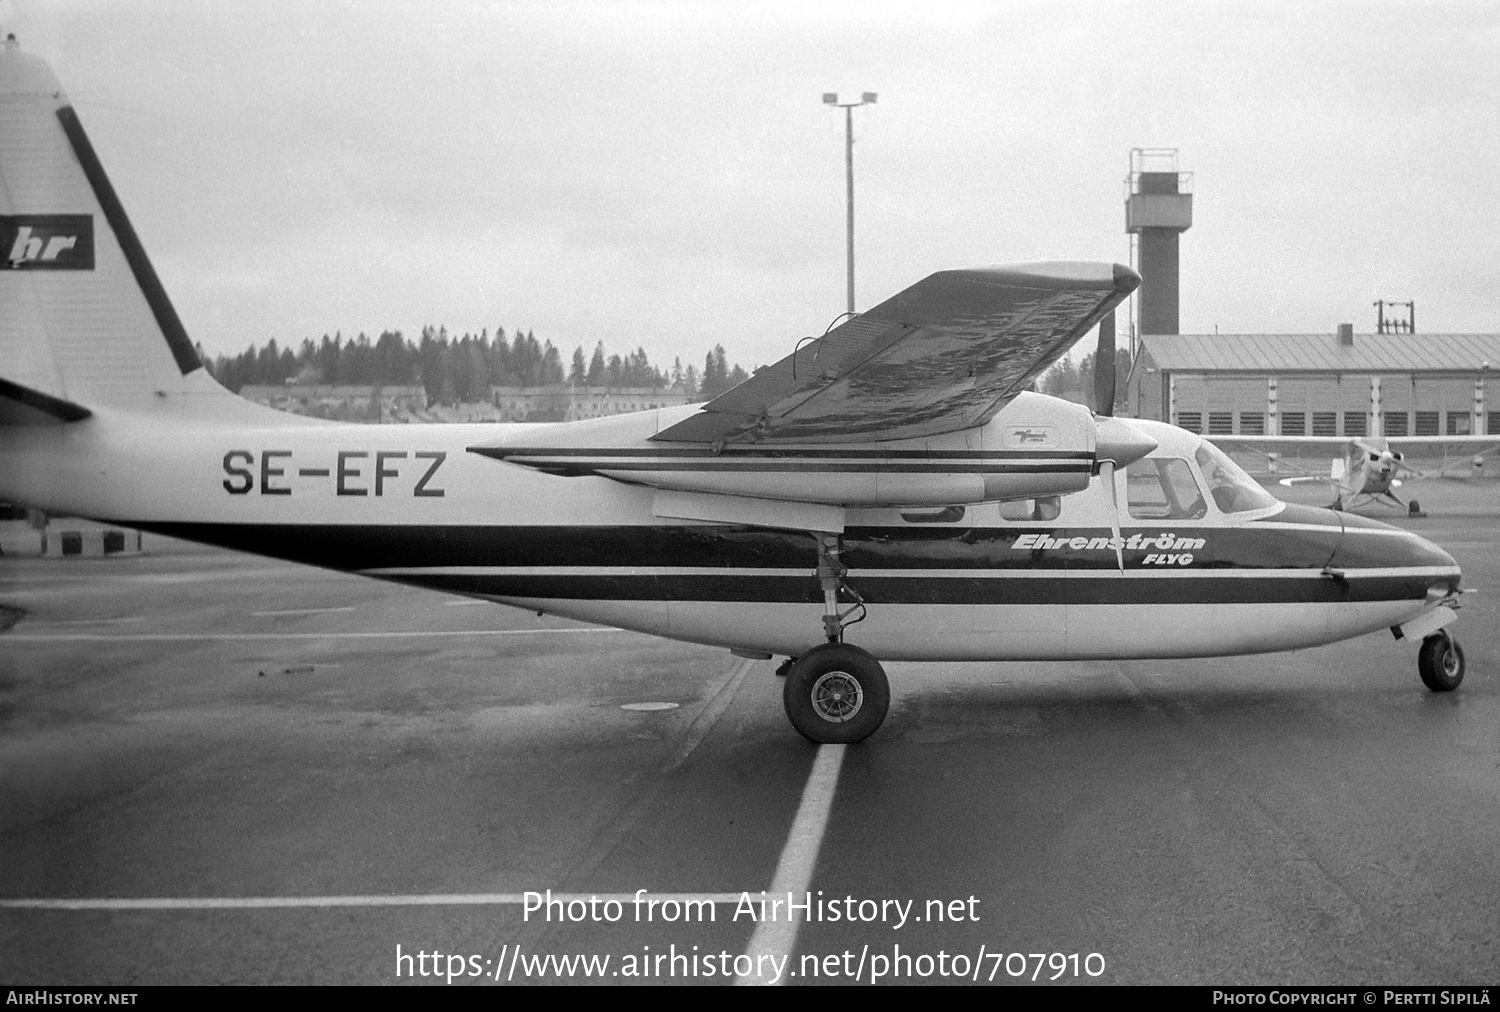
(992, 581)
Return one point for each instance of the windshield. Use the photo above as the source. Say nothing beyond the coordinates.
(1232, 489)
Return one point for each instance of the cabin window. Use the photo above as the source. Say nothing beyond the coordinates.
(1233, 490)
(1163, 488)
(1045, 508)
(946, 515)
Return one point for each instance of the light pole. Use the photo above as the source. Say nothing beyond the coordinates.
(832, 98)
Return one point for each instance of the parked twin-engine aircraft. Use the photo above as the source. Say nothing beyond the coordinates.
(888, 490)
(1367, 473)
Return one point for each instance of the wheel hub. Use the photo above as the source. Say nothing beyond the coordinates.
(1450, 662)
(837, 696)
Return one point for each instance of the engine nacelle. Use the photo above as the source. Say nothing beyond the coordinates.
(1036, 446)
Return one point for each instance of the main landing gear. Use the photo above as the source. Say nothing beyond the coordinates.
(1440, 662)
(835, 694)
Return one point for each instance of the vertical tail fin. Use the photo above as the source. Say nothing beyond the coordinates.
(84, 320)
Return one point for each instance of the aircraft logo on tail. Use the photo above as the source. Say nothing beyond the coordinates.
(48, 242)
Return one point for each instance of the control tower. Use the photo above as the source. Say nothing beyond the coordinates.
(1158, 208)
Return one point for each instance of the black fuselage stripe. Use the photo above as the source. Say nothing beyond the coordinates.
(792, 466)
(804, 589)
(135, 254)
(718, 551)
(699, 453)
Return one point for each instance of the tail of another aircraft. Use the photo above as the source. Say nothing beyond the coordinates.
(84, 321)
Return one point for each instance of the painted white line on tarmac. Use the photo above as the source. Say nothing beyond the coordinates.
(227, 573)
(709, 716)
(296, 611)
(216, 637)
(773, 939)
(317, 902)
(87, 621)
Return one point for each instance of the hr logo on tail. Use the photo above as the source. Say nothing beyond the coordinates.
(59, 242)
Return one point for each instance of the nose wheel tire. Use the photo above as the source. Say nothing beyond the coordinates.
(836, 694)
(1440, 662)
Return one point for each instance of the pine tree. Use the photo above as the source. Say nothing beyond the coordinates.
(597, 367)
(552, 368)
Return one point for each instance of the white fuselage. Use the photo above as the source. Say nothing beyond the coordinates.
(414, 504)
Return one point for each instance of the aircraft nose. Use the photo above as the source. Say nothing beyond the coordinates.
(1398, 554)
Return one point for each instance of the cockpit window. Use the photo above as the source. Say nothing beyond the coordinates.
(1162, 488)
(1233, 490)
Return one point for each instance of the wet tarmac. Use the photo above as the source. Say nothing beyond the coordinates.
(217, 769)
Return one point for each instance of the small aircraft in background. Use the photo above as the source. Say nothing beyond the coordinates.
(1369, 468)
(1367, 475)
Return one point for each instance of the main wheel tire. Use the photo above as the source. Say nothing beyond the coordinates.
(836, 694)
(1440, 662)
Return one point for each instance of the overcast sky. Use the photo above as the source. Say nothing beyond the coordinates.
(664, 174)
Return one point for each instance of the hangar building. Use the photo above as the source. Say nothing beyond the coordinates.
(1335, 385)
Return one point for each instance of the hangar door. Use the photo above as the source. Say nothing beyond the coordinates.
(1308, 405)
(1221, 405)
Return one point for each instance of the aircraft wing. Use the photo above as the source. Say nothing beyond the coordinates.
(1273, 448)
(1465, 444)
(1474, 446)
(943, 355)
(1265, 443)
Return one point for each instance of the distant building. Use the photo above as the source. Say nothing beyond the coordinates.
(1338, 385)
(351, 403)
(570, 403)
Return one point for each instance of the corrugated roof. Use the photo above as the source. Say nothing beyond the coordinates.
(1322, 352)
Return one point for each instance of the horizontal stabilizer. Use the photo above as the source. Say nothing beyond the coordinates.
(24, 406)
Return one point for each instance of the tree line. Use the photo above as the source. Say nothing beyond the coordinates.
(462, 370)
